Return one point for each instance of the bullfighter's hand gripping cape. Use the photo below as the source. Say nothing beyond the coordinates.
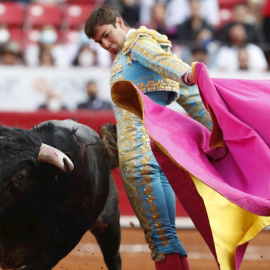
(221, 177)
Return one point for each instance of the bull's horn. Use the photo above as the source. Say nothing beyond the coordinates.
(55, 157)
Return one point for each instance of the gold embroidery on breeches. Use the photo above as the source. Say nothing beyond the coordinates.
(129, 162)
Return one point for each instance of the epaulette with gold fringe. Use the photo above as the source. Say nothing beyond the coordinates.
(143, 31)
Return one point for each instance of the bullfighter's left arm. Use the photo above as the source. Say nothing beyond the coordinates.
(158, 57)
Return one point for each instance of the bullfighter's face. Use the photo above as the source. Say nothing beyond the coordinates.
(110, 37)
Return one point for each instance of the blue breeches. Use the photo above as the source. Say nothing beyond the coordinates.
(147, 188)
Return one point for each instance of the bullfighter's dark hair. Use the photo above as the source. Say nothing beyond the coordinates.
(105, 14)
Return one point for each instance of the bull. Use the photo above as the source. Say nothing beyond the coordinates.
(55, 185)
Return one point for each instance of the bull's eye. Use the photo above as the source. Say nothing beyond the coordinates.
(20, 177)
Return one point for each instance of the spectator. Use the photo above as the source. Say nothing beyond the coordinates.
(46, 58)
(48, 41)
(256, 11)
(158, 21)
(86, 57)
(199, 54)
(240, 15)
(4, 34)
(196, 32)
(227, 55)
(53, 102)
(145, 11)
(178, 11)
(94, 102)
(78, 44)
(131, 12)
(118, 4)
(11, 54)
(243, 59)
(189, 30)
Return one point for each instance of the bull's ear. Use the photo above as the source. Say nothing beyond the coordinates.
(108, 134)
(55, 157)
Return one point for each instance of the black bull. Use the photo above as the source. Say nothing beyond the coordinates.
(50, 199)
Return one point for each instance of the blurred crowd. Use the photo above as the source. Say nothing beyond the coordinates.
(226, 35)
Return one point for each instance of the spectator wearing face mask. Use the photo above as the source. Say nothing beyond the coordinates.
(85, 52)
(53, 102)
(86, 57)
(94, 102)
(48, 40)
(4, 34)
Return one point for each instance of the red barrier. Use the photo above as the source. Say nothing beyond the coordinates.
(29, 119)
(92, 119)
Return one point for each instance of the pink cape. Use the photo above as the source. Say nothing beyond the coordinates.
(234, 159)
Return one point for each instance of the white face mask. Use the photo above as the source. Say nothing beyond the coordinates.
(4, 35)
(86, 59)
(48, 37)
(54, 105)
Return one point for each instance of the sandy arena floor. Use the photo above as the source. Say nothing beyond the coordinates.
(136, 256)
